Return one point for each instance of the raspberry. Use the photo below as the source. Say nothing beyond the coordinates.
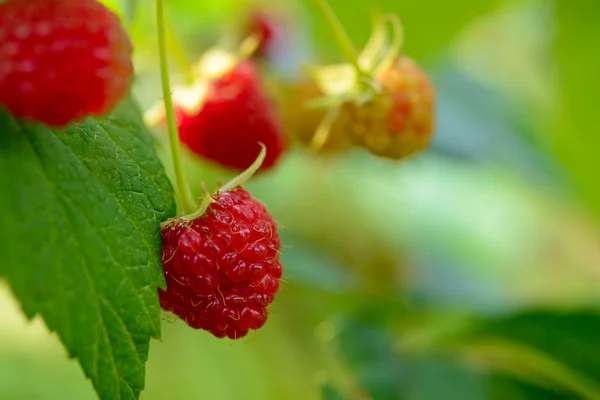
(270, 31)
(222, 269)
(235, 115)
(397, 122)
(61, 61)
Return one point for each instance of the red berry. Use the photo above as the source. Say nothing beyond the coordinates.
(236, 114)
(270, 31)
(222, 269)
(62, 60)
(399, 121)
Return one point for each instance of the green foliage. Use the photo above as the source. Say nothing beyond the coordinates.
(502, 387)
(576, 139)
(328, 392)
(428, 24)
(526, 356)
(568, 338)
(80, 239)
(368, 350)
(452, 381)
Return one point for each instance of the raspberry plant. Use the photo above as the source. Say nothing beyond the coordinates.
(84, 203)
(91, 237)
(383, 300)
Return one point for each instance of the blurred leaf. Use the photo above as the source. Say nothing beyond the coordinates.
(430, 25)
(441, 378)
(578, 33)
(365, 346)
(80, 238)
(201, 9)
(501, 387)
(468, 367)
(478, 125)
(531, 365)
(551, 350)
(308, 265)
(508, 50)
(570, 337)
(329, 392)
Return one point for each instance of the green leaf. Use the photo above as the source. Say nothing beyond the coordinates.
(367, 348)
(528, 364)
(501, 387)
(80, 238)
(443, 378)
(453, 381)
(570, 338)
(551, 351)
(330, 392)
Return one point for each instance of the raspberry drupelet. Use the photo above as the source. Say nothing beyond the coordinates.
(222, 269)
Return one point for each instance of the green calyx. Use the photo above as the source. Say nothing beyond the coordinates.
(357, 80)
(207, 198)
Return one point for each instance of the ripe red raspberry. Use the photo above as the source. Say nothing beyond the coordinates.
(62, 60)
(235, 114)
(397, 122)
(222, 269)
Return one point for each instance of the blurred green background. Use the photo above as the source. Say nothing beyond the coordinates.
(469, 272)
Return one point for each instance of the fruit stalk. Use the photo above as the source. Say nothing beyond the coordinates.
(182, 189)
(346, 45)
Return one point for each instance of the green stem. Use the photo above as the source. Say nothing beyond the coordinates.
(183, 190)
(207, 199)
(341, 35)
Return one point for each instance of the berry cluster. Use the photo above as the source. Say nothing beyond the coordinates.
(61, 61)
(222, 269)
(64, 60)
